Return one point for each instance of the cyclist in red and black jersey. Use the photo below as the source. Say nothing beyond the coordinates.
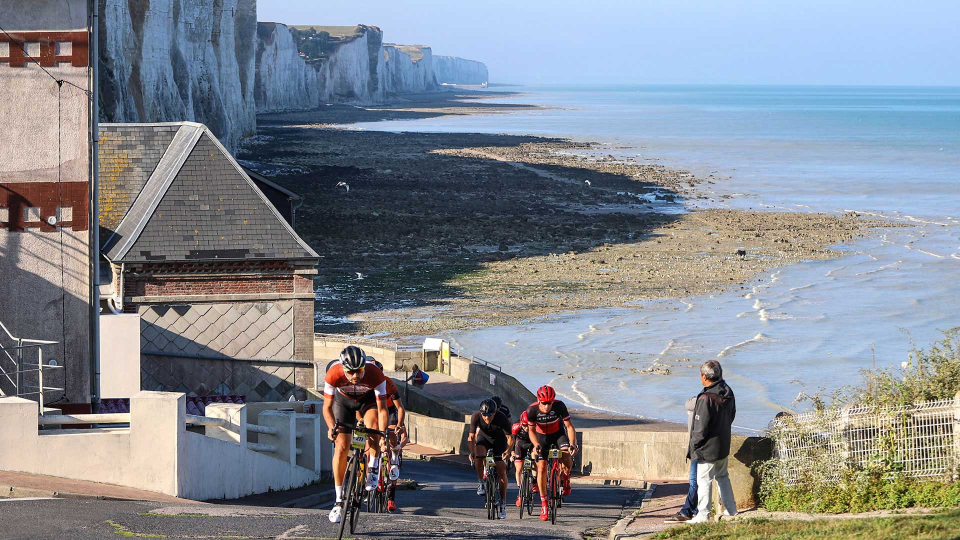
(351, 388)
(397, 433)
(522, 448)
(549, 425)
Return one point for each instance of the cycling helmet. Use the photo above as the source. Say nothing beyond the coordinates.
(487, 406)
(498, 401)
(546, 394)
(524, 419)
(352, 358)
(375, 362)
(515, 429)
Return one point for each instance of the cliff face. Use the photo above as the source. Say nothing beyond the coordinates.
(174, 60)
(359, 69)
(351, 74)
(407, 69)
(283, 80)
(453, 70)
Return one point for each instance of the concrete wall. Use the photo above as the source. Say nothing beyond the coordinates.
(119, 355)
(515, 395)
(446, 435)
(45, 172)
(155, 453)
(635, 455)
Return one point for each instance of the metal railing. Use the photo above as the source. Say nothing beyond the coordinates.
(920, 440)
(360, 341)
(477, 360)
(14, 368)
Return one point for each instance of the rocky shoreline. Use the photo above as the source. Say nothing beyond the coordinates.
(450, 231)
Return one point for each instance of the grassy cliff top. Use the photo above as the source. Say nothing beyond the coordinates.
(336, 31)
(415, 51)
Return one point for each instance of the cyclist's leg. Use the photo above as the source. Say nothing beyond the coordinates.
(499, 447)
(479, 453)
(345, 413)
(519, 451)
(566, 460)
(369, 413)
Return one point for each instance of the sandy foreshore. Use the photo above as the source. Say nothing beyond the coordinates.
(448, 231)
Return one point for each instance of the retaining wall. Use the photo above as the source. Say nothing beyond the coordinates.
(514, 395)
(156, 453)
(629, 455)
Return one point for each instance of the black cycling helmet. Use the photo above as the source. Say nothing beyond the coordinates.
(352, 358)
(488, 406)
(498, 401)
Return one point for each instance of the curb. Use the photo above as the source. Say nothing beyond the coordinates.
(310, 501)
(15, 492)
(619, 530)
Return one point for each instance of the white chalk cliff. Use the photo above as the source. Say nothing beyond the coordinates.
(453, 70)
(175, 60)
(359, 69)
(407, 69)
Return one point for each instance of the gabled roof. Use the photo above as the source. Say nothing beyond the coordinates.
(259, 178)
(196, 205)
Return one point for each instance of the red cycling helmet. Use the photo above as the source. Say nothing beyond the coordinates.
(524, 419)
(546, 394)
(516, 428)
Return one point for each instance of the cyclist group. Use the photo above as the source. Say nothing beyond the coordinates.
(356, 389)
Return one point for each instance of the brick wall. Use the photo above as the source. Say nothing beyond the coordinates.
(303, 321)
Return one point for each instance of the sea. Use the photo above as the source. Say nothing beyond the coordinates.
(883, 152)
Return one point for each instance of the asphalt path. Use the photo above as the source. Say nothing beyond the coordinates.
(445, 506)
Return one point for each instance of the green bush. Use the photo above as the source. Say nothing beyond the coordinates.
(829, 484)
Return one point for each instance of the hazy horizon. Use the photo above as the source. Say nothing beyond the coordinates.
(742, 42)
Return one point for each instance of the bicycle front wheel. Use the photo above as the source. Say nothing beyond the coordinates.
(491, 497)
(347, 498)
(552, 489)
(359, 489)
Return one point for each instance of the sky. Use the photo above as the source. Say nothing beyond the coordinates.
(842, 42)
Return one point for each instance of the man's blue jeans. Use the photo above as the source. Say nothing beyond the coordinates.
(690, 505)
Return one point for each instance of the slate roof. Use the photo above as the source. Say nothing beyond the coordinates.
(197, 204)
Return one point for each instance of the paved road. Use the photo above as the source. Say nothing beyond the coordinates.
(446, 507)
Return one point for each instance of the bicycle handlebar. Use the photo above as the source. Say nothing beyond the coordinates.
(366, 430)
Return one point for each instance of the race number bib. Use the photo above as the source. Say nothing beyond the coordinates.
(359, 441)
(554, 453)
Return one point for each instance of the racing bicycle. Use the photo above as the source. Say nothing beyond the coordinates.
(354, 481)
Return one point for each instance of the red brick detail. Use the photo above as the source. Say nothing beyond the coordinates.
(47, 196)
(79, 57)
(173, 285)
(302, 284)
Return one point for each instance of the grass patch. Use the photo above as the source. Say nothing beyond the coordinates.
(123, 531)
(944, 525)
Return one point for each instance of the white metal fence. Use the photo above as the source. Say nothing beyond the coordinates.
(920, 440)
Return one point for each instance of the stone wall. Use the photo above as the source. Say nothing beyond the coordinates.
(257, 380)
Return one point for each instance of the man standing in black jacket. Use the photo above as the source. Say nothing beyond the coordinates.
(710, 441)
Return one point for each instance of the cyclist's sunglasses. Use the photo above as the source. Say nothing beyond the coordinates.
(547, 402)
(487, 415)
(354, 371)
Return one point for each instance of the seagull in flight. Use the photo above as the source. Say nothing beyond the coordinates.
(359, 276)
(344, 185)
(587, 182)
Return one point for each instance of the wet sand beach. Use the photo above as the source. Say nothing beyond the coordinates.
(443, 231)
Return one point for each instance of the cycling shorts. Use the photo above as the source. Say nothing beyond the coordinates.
(557, 438)
(497, 444)
(345, 409)
(394, 416)
(522, 449)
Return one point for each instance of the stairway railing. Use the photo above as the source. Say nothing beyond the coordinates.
(14, 368)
